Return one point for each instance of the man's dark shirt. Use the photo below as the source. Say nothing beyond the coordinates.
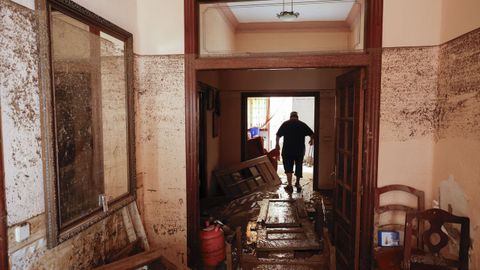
(294, 132)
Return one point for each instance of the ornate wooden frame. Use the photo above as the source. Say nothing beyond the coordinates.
(370, 59)
(70, 8)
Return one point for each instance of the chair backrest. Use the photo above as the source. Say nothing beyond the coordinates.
(396, 208)
(435, 239)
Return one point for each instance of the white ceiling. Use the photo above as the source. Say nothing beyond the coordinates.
(310, 10)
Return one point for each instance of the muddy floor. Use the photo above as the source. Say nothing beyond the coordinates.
(243, 212)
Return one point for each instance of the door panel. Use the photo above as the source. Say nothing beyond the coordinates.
(348, 160)
(326, 142)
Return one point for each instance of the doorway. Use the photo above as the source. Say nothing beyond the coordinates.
(370, 58)
(261, 113)
(264, 112)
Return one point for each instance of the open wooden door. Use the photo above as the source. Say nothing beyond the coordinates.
(348, 168)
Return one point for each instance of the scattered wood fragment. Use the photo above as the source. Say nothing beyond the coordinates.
(138, 225)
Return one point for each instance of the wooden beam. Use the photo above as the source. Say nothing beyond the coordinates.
(285, 61)
(191, 145)
(373, 43)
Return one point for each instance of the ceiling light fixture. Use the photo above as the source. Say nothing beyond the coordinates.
(288, 15)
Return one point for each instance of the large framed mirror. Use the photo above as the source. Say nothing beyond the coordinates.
(88, 113)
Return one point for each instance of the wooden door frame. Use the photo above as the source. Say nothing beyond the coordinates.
(371, 59)
(278, 93)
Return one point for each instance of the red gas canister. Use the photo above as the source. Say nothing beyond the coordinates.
(212, 244)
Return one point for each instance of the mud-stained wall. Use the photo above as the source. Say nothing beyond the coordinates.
(20, 112)
(160, 146)
(85, 251)
(430, 125)
(409, 93)
(20, 107)
(457, 152)
(408, 117)
(459, 87)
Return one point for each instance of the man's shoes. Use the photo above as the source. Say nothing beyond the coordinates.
(298, 186)
(289, 188)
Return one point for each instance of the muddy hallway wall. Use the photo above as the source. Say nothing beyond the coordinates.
(456, 178)
(160, 142)
(20, 104)
(429, 123)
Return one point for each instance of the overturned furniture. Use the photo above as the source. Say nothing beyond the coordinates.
(285, 236)
(246, 177)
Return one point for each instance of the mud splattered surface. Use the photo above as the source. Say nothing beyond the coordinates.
(160, 142)
(20, 106)
(84, 251)
(435, 92)
(409, 93)
(20, 112)
(432, 90)
(459, 87)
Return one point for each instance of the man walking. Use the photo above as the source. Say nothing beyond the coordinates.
(294, 132)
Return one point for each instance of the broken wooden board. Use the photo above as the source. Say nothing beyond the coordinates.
(283, 225)
(288, 239)
(316, 262)
(281, 212)
(322, 260)
(247, 176)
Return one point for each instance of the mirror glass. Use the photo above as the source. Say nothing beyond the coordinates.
(281, 26)
(90, 117)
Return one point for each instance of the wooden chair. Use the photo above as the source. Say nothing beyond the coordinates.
(432, 254)
(391, 257)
